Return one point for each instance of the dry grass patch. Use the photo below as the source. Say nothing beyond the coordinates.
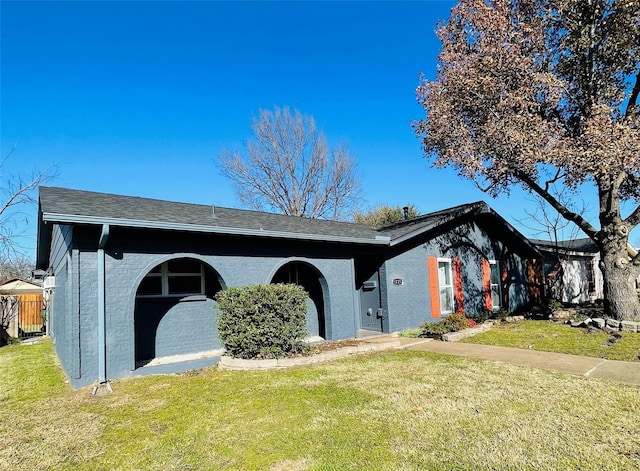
(384, 411)
(549, 336)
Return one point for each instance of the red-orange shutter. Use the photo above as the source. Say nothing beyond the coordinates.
(486, 284)
(457, 285)
(434, 291)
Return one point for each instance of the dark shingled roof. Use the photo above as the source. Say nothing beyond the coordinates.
(62, 205)
(426, 222)
(585, 245)
(65, 205)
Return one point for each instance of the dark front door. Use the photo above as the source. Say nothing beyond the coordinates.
(371, 314)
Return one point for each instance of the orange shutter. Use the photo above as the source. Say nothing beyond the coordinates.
(434, 292)
(486, 284)
(457, 285)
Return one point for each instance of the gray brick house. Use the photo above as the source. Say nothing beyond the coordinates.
(131, 280)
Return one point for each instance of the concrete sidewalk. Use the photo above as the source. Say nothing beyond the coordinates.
(625, 372)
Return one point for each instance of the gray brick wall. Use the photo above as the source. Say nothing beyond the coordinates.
(410, 304)
(188, 326)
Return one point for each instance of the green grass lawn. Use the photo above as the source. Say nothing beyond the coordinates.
(551, 337)
(396, 410)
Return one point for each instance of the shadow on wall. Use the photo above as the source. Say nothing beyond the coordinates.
(179, 316)
(517, 287)
(305, 275)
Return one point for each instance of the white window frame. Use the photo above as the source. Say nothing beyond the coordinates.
(164, 275)
(450, 286)
(496, 264)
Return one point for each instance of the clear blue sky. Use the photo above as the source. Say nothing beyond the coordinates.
(138, 98)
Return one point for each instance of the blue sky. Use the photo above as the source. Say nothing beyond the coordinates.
(138, 98)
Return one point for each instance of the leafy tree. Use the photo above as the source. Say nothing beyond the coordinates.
(289, 167)
(541, 93)
(384, 214)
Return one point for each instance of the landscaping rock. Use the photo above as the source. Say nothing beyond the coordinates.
(599, 322)
(630, 326)
(230, 363)
(561, 314)
(463, 334)
(613, 324)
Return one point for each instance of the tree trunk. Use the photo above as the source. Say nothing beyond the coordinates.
(620, 297)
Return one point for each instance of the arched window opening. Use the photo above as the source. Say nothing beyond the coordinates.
(174, 313)
(303, 274)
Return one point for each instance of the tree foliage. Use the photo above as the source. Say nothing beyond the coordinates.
(289, 167)
(384, 214)
(542, 93)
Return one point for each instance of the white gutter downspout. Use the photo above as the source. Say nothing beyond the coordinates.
(104, 387)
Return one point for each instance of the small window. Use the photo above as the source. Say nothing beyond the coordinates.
(180, 277)
(185, 284)
(494, 278)
(445, 284)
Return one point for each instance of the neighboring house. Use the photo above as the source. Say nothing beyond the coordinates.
(21, 308)
(134, 279)
(571, 269)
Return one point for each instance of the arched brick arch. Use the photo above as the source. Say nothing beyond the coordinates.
(305, 274)
(173, 308)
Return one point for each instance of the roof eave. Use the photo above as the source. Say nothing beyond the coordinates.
(134, 223)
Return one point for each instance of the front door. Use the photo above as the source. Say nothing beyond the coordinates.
(371, 315)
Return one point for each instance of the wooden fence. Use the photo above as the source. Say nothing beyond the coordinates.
(30, 320)
(21, 315)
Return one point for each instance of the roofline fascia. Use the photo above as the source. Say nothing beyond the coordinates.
(474, 208)
(477, 210)
(75, 219)
(574, 253)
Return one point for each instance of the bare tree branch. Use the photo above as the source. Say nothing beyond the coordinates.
(17, 191)
(288, 166)
(633, 98)
(576, 218)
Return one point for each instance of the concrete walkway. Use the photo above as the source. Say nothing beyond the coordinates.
(625, 372)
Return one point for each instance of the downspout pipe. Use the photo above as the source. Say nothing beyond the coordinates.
(102, 335)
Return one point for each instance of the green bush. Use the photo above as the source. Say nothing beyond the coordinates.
(548, 307)
(499, 314)
(480, 317)
(433, 329)
(455, 322)
(452, 323)
(263, 321)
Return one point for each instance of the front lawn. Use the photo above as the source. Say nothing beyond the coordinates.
(397, 410)
(549, 336)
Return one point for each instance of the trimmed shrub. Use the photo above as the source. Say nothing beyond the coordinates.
(452, 323)
(455, 322)
(433, 329)
(263, 321)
